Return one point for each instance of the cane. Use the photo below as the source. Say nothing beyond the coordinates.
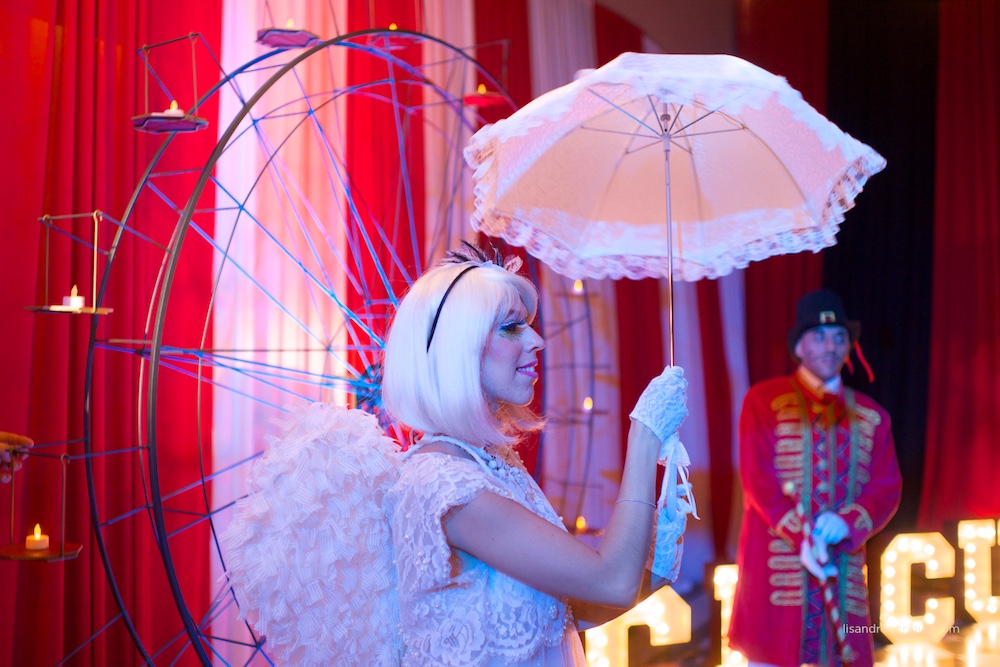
(847, 654)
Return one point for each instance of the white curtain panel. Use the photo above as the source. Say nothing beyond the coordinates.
(581, 455)
(733, 300)
(698, 548)
(698, 540)
(246, 316)
(562, 41)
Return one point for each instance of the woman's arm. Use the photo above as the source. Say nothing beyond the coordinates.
(513, 540)
(589, 615)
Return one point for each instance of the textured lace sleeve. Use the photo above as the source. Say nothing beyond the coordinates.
(430, 486)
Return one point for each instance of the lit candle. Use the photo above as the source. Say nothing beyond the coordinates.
(174, 111)
(74, 300)
(37, 542)
(581, 524)
(290, 24)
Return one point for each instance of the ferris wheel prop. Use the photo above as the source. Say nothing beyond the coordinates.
(304, 268)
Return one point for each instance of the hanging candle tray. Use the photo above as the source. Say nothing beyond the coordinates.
(287, 38)
(86, 310)
(484, 100)
(160, 123)
(55, 552)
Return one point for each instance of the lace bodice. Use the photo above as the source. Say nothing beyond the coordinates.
(455, 609)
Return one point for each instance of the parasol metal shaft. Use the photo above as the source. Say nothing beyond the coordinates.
(665, 138)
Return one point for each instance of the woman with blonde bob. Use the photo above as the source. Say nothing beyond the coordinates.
(487, 573)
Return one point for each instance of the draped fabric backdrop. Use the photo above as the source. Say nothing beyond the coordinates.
(790, 39)
(916, 262)
(883, 261)
(963, 422)
(70, 149)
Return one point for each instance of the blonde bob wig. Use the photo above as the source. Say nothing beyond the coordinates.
(440, 389)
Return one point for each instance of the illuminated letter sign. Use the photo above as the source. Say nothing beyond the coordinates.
(939, 616)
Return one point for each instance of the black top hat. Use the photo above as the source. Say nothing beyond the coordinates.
(817, 309)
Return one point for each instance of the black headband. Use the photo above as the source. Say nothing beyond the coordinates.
(434, 324)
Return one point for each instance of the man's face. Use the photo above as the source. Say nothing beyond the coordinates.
(823, 350)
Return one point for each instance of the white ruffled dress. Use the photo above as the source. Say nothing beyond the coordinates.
(455, 609)
(338, 554)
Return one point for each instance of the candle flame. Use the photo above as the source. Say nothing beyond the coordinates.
(290, 24)
(578, 287)
(74, 291)
(588, 404)
(481, 89)
(581, 524)
(392, 26)
(38, 531)
(173, 105)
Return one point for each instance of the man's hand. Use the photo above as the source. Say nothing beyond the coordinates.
(809, 556)
(12, 453)
(830, 527)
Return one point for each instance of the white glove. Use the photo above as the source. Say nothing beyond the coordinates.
(663, 404)
(811, 561)
(668, 545)
(830, 527)
(662, 407)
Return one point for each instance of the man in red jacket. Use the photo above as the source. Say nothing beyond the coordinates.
(808, 438)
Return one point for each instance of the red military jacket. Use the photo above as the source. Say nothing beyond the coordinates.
(838, 451)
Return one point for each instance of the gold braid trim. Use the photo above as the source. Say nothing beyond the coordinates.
(863, 520)
(779, 547)
(790, 523)
(787, 598)
(786, 579)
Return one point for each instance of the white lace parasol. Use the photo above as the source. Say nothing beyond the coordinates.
(578, 176)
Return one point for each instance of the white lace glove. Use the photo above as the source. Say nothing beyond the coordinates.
(668, 545)
(663, 404)
(662, 407)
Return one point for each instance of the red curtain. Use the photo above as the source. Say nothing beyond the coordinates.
(963, 422)
(381, 195)
(507, 21)
(73, 70)
(788, 38)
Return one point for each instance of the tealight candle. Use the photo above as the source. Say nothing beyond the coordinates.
(174, 111)
(74, 300)
(36, 542)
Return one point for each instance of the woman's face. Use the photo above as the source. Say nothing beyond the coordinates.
(510, 362)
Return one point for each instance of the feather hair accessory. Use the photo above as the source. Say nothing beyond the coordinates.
(475, 257)
(473, 253)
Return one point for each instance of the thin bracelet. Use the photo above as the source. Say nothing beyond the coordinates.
(635, 500)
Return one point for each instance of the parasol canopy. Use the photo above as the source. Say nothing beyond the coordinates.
(587, 176)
